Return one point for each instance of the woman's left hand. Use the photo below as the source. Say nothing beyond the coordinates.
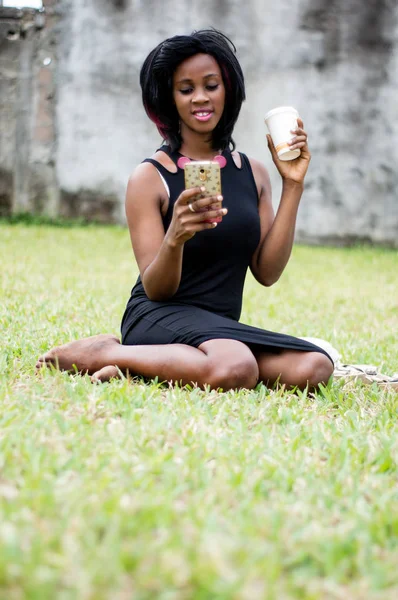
(293, 170)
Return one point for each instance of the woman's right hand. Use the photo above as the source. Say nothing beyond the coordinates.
(191, 215)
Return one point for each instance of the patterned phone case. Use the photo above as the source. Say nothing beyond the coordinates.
(204, 173)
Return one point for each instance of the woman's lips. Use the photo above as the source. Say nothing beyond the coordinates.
(203, 115)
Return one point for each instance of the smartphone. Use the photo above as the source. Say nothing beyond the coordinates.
(204, 173)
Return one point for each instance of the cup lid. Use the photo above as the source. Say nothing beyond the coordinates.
(280, 109)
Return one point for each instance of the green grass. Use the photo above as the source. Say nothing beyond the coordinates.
(132, 491)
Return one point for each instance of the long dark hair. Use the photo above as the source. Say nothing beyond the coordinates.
(156, 79)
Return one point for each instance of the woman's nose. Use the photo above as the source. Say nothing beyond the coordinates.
(199, 96)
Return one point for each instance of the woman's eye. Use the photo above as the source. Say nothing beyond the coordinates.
(212, 87)
(186, 91)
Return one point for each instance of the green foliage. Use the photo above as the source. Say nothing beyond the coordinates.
(134, 491)
(27, 219)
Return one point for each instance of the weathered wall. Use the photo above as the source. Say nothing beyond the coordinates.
(27, 111)
(340, 68)
(335, 60)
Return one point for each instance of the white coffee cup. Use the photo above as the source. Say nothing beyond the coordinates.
(280, 122)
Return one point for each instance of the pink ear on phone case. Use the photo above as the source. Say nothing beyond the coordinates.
(222, 161)
(182, 161)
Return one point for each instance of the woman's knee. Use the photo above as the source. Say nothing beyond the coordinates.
(316, 369)
(233, 372)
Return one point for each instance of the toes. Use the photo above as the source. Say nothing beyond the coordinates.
(44, 361)
(106, 374)
(45, 364)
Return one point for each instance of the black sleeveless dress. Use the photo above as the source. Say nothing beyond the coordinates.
(208, 302)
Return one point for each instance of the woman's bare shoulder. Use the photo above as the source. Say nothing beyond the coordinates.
(165, 160)
(145, 181)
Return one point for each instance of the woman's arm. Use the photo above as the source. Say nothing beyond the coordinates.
(159, 254)
(277, 233)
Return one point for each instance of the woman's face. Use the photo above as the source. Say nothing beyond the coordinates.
(199, 93)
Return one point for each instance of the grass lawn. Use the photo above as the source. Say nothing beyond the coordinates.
(132, 491)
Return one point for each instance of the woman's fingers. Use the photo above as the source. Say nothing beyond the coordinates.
(203, 204)
(298, 142)
(192, 213)
(205, 216)
(194, 196)
(213, 214)
(300, 138)
(201, 218)
(188, 196)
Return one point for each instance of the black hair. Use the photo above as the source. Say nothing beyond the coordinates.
(156, 79)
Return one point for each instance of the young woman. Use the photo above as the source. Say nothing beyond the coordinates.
(181, 322)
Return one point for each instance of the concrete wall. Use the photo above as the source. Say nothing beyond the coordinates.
(27, 112)
(335, 60)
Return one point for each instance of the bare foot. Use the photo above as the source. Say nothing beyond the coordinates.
(105, 374)
(85, 356)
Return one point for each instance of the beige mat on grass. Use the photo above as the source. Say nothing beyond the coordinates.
(365, 373)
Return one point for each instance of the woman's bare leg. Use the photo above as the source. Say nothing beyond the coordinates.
(294, 368)
(226, 364)
(302, 368)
